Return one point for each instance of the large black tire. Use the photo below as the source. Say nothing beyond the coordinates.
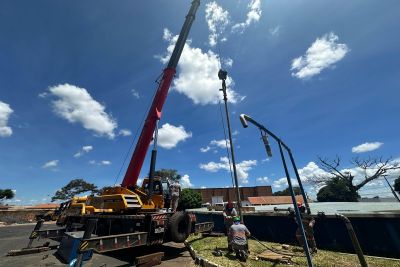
(179, 226)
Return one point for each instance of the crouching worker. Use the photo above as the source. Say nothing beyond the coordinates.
(308, 224)
(238, 234)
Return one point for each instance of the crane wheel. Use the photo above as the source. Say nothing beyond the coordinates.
(179, 226)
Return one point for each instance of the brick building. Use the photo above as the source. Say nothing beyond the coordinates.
(228, 194)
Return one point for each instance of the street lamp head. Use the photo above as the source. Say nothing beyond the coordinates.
(265, 140)
(243, 121)
(222, 74)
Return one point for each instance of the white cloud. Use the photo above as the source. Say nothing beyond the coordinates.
(216, 144)
(253, 15)
(50, 164)
(169, 135)
(125, 132)
(282, 182)
(242, 168)
(203, 187)
(77, 105)
(185, 181)
(5, 112)
(306, 173)
(262, 180)
(217, 19)
(366, 147)
(43, 94)
(84, 149)
(135, 93)
(322, 54)
(205, 149)
(197, 77)
(87, 148)
(220, 143)
(102, 162)
(274, 31)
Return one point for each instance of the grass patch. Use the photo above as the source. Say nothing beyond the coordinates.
(205, 246)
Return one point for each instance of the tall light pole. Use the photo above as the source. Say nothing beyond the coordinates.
(222, 75)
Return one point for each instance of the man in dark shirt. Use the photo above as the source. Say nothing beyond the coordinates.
(229, 213)
(308, 224)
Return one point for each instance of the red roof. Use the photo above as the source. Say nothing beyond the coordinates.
(273, 200)
(44, 206)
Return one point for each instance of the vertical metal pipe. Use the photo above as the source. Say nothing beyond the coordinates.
(153, 164)
(297, 211)
(354, 239)
(299, 182)
(239, 201)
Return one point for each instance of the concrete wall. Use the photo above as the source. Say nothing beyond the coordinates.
(20, 215)
(379, 235)
(229, 193)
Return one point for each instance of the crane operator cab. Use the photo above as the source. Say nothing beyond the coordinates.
(160, 195)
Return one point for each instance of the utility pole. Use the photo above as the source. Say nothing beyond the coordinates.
(222, 75)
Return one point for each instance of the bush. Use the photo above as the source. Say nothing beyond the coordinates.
(189, 199)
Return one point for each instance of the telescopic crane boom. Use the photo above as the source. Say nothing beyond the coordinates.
(143, 143)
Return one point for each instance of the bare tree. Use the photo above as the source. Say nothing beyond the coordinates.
(372, 168)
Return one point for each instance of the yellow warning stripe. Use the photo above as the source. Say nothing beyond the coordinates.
(83, 245)
(34, 234)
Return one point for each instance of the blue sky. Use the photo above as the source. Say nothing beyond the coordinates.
(76, 79)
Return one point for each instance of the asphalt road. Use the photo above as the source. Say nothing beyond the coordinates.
(16, 237)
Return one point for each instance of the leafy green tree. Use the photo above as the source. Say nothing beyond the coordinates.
(397, 185)
(170, 174)
(338, 190)
(73, 188)
(6, 194)
(286, 192)
(189, 199)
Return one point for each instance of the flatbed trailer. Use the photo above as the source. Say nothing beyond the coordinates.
(133, 231)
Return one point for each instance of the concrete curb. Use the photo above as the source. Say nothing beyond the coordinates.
(199, 260)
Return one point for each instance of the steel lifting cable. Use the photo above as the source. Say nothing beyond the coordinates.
(137, 131)
(226, 143)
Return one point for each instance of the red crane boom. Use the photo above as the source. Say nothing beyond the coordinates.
(143, 143)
